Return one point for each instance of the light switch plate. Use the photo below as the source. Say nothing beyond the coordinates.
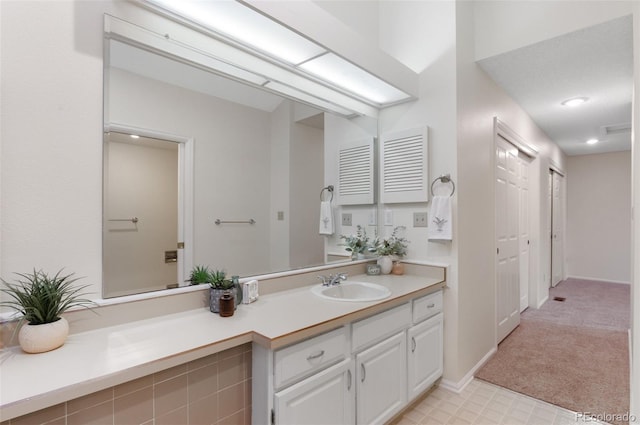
(280, 215)
(419, 219)
(388, 217)
(373, 220)
(346, 219)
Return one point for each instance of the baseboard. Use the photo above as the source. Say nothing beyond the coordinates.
(458, 387)
(544, 300)
(596, 279)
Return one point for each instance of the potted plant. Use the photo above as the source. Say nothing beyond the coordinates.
(394, 247)
(199, 274)
(41, 299)
(356, 244)
(219, 285)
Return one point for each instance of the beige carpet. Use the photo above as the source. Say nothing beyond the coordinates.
(581, 368)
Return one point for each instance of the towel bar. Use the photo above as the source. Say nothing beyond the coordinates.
(134, 220)
(330, 189)
(444, 179)
(250, 221)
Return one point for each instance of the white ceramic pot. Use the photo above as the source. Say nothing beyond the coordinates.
(45, 337)
(386, 264)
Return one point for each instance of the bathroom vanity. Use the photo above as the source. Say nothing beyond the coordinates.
(364, 372)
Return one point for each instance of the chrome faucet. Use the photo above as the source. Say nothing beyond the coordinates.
(332, 280)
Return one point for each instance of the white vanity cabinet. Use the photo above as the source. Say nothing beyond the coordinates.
(364, 372)
(425, 344)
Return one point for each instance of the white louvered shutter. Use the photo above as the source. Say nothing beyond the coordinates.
(404, 175)
(356, 182)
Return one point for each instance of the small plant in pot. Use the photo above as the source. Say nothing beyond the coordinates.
(219, 285)
(394, 247)
(199, 274)
(356, 244)
(41, 299)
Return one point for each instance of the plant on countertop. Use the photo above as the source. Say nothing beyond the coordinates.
(199, 274)
(41, 298)
(219, 280)
(393, 245)
(358, 243)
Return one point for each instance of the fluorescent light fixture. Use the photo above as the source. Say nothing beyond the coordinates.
(592, 141)
(307, 98)
(256, 44)
(575, 101)
(241, 23)
(334, 69)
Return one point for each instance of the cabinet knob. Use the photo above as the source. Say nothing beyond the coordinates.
(431, 305)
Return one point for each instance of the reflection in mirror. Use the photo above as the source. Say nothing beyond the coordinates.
(256, 156)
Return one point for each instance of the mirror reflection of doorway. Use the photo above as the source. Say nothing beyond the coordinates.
(140, 229)
(556, 219)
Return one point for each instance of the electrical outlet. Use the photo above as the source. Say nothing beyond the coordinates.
(346, 219)
(419, 219)
(280, 215)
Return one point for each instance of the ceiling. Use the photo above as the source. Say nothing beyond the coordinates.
(595, 62)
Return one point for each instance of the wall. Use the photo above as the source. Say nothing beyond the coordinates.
(212, 390)
(230, 147)
(599, 216)
(634, 343)
(140, 181)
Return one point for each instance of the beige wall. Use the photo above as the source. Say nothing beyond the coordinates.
(212, 390)
(599, 216)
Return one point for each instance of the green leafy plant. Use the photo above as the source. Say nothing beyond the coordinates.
(199, 274)
(41, 298)
(358, 243)
(394, 245)
(219, 280)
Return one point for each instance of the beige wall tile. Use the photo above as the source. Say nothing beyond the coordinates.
(247, 365)
(59, 421)
(101, 414)
(170, 395)
(175, 417)
(233, 351)
(41, 416)
(169, 373)
(205, 361)
(235, 419)
(231, 371)
(230, 400)
(89, 400)
(203, 382)
(134, 408)
(247, 393)
(204, 411)
(131, 386)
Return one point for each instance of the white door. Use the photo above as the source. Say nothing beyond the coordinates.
(507, 249)
(549, 231)
(557, 231)
(381, 380)
(525, 238)
(425, 355)
(325, 398)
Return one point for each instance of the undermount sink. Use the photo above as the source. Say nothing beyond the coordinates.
(352, 291)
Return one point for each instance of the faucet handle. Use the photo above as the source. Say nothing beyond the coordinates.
(324, 279)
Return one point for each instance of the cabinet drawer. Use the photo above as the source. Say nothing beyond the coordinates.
(427, 306)
(380, 326)
(302, 359)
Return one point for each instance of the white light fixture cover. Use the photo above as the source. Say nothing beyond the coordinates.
(575, 101)
(240, 23)
(592, 141)
(332, 68)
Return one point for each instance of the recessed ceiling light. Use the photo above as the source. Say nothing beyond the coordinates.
(592, 141)
(575, 101)
(134, 136)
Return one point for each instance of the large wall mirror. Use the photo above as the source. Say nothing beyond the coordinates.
(200, 169)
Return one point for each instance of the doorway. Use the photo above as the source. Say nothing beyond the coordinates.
(556, 219)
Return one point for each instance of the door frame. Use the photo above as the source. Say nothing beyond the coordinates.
(502, 131)
(185, 190)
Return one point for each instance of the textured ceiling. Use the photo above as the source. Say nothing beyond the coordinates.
(596, 62)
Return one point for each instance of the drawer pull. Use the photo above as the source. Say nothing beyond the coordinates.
(413, 344)
(316, 356)
(431, 305)
(364, 372)
(349, 380)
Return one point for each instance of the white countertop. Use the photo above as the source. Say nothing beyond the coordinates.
(98, 359)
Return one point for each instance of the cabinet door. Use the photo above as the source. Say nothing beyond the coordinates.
(425, 346)
(381, 373)
(326, 398)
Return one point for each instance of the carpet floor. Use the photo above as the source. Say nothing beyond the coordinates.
(568, 353)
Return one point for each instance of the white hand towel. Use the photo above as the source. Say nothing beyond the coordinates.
(326, 218)
(440, 224)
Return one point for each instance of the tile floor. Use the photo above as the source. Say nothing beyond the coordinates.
(481, 403)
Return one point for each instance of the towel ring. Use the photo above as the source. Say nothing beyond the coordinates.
(330, 189)
(445, 179)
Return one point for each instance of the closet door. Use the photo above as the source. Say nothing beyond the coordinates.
(525, 237)
(557, 230)
(507, 237)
